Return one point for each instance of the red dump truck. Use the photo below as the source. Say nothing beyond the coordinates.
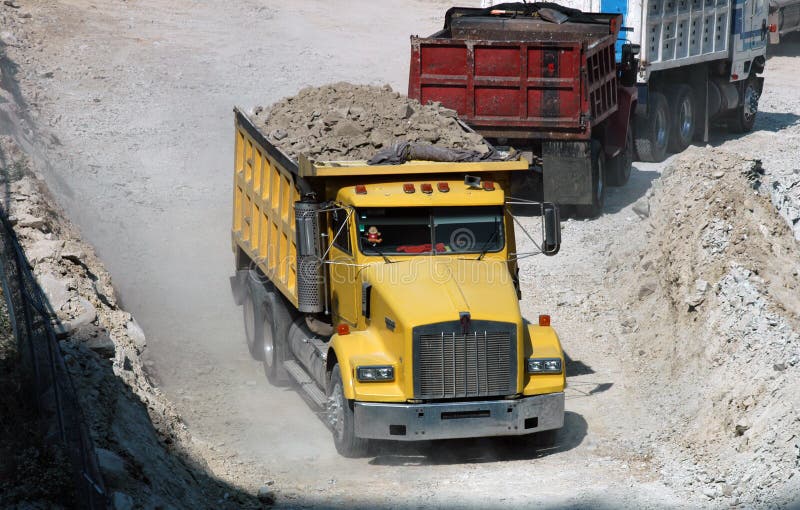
(544, 79)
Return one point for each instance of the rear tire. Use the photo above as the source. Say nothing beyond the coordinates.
(745, 115)
(651, 135)
(619, 167)
(342, 419)
(598, 185)
(273, 338)
(683, 124)
(251, 314)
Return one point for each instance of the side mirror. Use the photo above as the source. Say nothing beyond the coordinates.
(551, 229)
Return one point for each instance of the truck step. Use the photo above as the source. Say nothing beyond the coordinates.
(305, 382)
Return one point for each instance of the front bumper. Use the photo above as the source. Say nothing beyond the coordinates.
(450, 420)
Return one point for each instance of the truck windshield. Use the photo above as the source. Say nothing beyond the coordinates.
(425, 230)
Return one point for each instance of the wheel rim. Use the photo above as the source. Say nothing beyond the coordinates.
(269, 344)
(750, 106)
(336, 416)
(661, 128)
(686, 119)
(249, 319)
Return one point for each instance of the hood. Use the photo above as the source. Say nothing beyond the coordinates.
(426, 290)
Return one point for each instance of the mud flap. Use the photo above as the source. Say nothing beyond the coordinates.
(239, 286)
(567, 172)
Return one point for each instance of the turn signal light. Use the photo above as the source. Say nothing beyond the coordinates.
(426, 188)
(735, 76)
(544, 320)
(773, 28)
(361, 189)
(343, 329)
(443, 187)
(488, 186)
(408, 188)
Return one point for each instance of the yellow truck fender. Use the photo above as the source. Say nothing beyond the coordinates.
(365, 348)
(543, 342)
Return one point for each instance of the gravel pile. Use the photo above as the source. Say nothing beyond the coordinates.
(343, 121)
(712, 330)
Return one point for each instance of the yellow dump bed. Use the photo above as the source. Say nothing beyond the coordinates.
(267, 183)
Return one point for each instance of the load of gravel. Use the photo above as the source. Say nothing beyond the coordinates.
(342, 121)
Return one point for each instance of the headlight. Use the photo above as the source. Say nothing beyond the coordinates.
(372, 374)
(544, 366)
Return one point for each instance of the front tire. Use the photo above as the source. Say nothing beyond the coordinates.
(619, 167)
(342, 419)
(745, 115)
(652, 130)
(251, 314)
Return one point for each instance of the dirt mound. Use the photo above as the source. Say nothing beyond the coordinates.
(343, 121)
(712, 330)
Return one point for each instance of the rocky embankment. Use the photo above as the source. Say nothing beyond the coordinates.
(711, 334)
(145, 453)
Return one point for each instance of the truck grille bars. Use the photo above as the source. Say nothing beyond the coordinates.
(449, 363)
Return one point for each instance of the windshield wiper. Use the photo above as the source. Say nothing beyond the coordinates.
(379, 252)
(487, 244)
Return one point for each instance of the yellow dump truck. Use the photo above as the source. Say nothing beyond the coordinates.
(389, 294)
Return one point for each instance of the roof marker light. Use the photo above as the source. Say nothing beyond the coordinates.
(343, 329)
(361, 189)
(426, 188)
(488, 186)
(443, 187)
(408, 187)
(544, 320)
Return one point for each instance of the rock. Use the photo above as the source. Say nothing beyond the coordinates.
(27, 220)
(347, 128)
(779, 367)
(43, 249)
(710, 492)
(122, 501)
(136, 334)
(266, 495)
(55, 289)
(642, 208)
(741, 428)
(72, 251)
(405, 111)
(694, 300)
(112, 467)
(279, 134)
(717, 175)
(646, 289)
(95, 338)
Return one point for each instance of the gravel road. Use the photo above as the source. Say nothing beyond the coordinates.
(138, 98)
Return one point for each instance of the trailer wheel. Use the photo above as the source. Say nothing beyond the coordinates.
(598, 184)
(342, 419)
(652, 130)
(745, 115)
(684, 121)
(272, 337)
(619, 167)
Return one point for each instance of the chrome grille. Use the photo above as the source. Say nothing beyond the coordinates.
(451, 364)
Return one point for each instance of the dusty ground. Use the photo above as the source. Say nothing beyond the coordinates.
(133, 103)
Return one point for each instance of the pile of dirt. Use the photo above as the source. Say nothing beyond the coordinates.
(713, 301)
(343, 121)
(144, 450)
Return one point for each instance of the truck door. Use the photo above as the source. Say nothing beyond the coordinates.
(344, 275)
(750, 30)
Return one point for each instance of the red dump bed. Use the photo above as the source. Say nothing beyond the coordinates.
(520, 78)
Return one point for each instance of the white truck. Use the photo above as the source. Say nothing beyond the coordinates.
(699, 63)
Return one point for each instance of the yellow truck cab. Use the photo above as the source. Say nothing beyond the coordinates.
(389, 294)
